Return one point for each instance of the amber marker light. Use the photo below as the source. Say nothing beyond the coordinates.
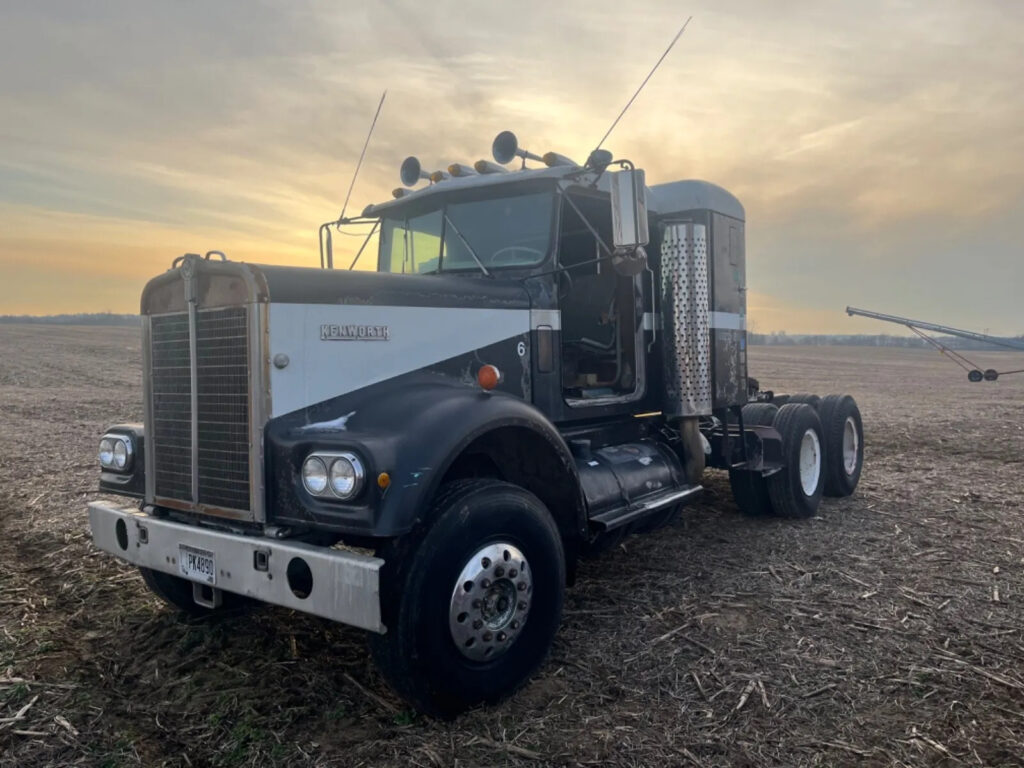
(383, 481)
(488, 377)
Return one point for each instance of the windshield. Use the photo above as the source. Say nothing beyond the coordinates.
(502, 232)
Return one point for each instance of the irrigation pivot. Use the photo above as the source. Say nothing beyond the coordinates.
(974, 373)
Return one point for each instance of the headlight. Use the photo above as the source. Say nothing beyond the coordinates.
(314, 475)
(333, 475)
(346, 476)
(122, 452)
(106, 452)
(116, 452)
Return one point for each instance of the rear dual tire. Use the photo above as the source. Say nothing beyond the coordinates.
(843, 432)
(750, 489)
(812, 400)
(797, 488)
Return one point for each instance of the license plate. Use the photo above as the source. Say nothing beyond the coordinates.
(197, 564)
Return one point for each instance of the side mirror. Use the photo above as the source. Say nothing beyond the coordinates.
(629, 210)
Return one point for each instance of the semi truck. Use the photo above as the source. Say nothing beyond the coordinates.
(544, 359)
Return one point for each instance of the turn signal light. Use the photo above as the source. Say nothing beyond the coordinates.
(488, 377)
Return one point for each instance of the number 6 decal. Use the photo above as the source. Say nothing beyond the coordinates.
(521, 348)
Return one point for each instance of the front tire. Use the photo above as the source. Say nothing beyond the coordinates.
(471, 603)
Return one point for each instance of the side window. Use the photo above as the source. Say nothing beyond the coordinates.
(412, 246)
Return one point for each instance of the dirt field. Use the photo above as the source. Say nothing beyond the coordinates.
(887, 631)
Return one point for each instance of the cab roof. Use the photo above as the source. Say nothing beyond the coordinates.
(662, 199)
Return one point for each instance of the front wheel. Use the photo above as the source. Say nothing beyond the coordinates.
(473, 602)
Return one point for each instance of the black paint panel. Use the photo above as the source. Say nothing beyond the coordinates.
(411, 426)
(299, 285)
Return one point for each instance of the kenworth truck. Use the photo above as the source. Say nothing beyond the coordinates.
(544, 360)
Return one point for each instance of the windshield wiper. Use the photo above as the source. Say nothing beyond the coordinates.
(468, 246)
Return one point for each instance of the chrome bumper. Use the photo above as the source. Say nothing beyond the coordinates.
(345, 585)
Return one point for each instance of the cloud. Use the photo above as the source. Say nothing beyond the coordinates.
(876, 146)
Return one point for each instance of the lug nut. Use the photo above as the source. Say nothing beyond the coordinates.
(486, 562)
(502, 637)
(512, 573)
(521, 586)
(522, 605)
(499, 571)
(486, 583)
(477, 624)
(476, 603)
(488, 637)
(515, 624)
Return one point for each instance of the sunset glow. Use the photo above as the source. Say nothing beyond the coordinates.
(877, 147)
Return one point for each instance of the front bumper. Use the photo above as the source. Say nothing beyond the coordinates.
(345, 586)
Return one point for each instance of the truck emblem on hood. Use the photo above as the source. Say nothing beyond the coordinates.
(329, 332)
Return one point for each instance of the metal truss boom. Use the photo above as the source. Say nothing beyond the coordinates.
(925, 326)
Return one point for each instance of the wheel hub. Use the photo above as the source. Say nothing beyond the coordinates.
(810, 462)
(490, 601)
(851, 446)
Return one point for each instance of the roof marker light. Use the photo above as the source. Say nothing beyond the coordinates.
(552, 159)
(486, 166)
(459, 170)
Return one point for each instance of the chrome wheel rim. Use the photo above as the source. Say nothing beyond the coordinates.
(851, 446)
(810, 462)
(490, 601)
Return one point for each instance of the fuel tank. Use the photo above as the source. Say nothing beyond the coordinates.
(618, 476)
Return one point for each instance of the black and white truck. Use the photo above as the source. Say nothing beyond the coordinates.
(545, 359)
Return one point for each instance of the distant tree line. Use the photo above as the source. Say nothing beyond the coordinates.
(82, 318)
(783, 339)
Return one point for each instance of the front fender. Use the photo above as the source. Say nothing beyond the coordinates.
(413, 430)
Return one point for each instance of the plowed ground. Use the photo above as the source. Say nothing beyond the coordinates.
(886, 631)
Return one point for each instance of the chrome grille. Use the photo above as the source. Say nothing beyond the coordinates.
(222, 411)
(222, 349)
(171, 430)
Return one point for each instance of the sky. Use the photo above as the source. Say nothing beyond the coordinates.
(878, 147)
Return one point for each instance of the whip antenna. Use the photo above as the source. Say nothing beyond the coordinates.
(361, 156)
(630, 102)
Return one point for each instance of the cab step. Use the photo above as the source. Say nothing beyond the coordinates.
(616, 518)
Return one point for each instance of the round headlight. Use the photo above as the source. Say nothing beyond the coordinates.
(314, 475)
(346, 476)
(121, 454)
(107, 452)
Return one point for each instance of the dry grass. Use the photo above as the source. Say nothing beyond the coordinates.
(887, 631)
